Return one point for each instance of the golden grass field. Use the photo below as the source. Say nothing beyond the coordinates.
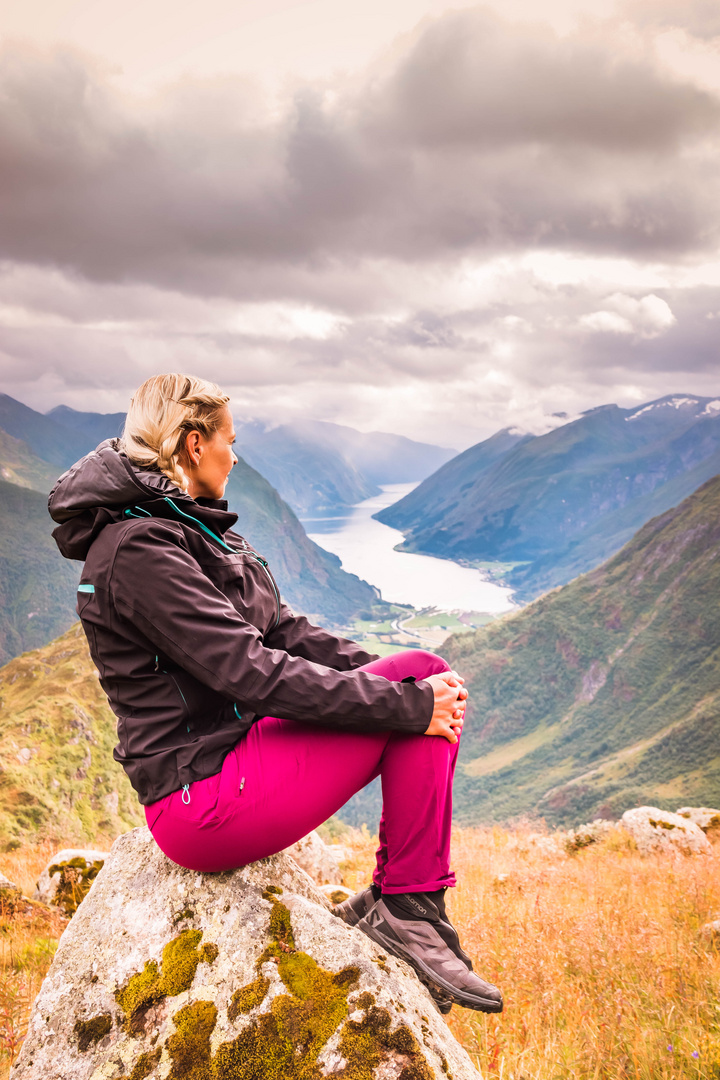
(599, 955)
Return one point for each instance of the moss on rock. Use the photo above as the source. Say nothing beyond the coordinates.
(248, 997)
(365, 1043)
(145, 1064)
(180, 959)
(89, 1032)
(284, 1043)
(189, 1047)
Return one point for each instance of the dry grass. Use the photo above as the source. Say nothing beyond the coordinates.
(28, 939)
(599, 955)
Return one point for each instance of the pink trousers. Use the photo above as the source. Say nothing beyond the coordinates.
(284, 778)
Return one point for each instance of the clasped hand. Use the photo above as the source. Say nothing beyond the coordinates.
(450, 701)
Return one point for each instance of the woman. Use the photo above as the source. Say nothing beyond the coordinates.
(241, 725)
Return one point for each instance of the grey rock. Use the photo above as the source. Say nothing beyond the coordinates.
(711, 931)
(166, 972)
(707, 819)
(68, 876)
(655, 830)
(9, 891)
(316, 859)
(585, 835)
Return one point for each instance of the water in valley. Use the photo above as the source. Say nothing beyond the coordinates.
(366, 548)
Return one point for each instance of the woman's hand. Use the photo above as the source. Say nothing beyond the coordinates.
(450, 700)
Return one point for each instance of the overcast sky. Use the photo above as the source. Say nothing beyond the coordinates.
(405, 215)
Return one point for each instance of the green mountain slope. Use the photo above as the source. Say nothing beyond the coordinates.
(58, 779)
(427, 507)
(18, 465)
(561, 502)
(605, 693)
(37, 586)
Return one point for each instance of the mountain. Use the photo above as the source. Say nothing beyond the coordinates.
(438, 496)
(37, 586)
(47, 439)
(599, 696)
(561, 502)
(58, 779)
(18, 465)
(309, 474)
(93, 427)
(606, 693)
(318, 466)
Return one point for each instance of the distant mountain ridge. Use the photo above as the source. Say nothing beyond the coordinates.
(559, 503)
(317, 465)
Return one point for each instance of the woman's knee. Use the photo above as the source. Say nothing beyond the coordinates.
(424, 663)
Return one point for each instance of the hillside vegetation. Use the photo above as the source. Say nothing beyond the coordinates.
(37, 586)
(604, 694)
(58, 779)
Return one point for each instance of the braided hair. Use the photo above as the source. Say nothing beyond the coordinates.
(162, 412)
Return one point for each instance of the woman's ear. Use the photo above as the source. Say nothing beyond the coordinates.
(193, 447)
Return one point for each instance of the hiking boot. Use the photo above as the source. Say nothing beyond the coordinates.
(356, 907)
(419, 943)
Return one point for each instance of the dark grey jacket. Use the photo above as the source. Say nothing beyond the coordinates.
(189, 634)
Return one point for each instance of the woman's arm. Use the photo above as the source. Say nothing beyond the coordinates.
(157, 588)
(299, 637)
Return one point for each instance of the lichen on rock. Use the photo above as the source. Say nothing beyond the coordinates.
(265, 984)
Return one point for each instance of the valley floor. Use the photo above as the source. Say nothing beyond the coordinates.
(600, 956)
(414, 628)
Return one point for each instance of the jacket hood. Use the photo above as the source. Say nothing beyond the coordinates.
(96, 490)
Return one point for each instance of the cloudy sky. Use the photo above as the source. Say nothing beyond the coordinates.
(407, 215)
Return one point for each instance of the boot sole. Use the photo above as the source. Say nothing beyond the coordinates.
(434, 983)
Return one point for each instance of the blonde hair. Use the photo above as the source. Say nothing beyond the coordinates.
(162, 412)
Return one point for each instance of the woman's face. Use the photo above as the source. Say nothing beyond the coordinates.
(208, 461)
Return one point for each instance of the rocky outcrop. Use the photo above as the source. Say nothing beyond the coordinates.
(711, 931)
(245, 975)
(708, 820)
(316, 859)
(8, 888)
(67, 878)
(656, 830)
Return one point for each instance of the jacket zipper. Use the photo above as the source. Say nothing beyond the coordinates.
(263, 563)
(176, 684)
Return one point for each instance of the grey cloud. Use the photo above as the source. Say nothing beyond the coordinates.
(473, 80)
(481, 137)
(700, 18)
